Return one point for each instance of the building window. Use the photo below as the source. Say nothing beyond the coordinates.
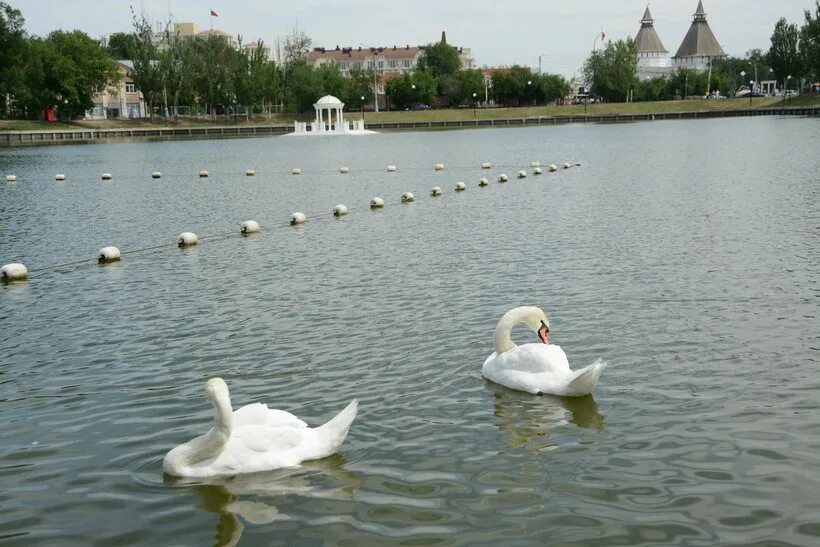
(343, 65)
(407, 63)
(380, 64)
(392, 64)
(130, 88)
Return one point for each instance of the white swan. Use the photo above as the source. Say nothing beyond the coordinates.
(536, 368)
(254, 438)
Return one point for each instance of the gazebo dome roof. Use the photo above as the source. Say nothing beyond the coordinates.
(328, 101)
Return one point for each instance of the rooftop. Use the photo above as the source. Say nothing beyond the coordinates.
(647, 39)
(700, 41)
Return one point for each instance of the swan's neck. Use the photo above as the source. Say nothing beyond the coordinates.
(213, 442)
(503, 341)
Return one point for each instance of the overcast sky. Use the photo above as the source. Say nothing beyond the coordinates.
(498, 32)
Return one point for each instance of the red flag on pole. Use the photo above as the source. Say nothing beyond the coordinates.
(213, 14)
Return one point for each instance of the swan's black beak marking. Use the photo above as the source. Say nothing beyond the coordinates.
(543, 333)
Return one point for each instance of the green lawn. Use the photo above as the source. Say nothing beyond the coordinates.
(690, 105)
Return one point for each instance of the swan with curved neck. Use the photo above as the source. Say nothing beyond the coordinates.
(254, 438)
(540, 368)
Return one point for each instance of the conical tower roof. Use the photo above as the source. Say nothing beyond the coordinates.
(700, 41)
(647, 39)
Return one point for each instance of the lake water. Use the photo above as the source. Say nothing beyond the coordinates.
(686, 254)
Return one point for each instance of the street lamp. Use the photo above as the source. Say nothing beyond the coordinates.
(362, 104)
(788, 78)
(474, 105)
(751, 91)
(742, 76)
(529, 88)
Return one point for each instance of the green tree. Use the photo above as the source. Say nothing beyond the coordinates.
(175, 63)
(411, 88)
(303, 85)
(360, 85)
(515, 86)
(271, 85)
(147, 73)
(810, 42)
(65, 70)
(214, 69)
(440, 59)
(784, 56)
(653, 89)
(469, 82)
(121, 45)
(612, 72)
(12, 42)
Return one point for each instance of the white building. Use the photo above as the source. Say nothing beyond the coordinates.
(699, 47)
(653, 58)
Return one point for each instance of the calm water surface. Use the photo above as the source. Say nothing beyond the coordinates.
(686, 254)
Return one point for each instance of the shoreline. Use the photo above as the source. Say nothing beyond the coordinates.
(84, 136)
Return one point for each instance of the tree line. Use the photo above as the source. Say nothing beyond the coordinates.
(181, 74)
(793, 57)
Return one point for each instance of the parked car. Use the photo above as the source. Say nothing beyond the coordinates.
(419, 106)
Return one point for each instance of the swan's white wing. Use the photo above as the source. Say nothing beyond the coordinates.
(254, 448)
(260, 414)
(535, 359)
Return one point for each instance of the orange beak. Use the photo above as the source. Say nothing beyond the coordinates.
(543, 333)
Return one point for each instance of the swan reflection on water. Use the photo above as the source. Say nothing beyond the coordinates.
(528, 418)
(246, 498)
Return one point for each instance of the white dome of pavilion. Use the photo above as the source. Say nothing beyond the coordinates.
(328, 101)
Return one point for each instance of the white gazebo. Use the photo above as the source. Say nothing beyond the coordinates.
(325, 124)
(330, 104)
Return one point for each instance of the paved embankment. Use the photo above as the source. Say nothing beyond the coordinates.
(12, 138)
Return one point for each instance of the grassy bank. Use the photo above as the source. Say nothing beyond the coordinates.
(659, 107)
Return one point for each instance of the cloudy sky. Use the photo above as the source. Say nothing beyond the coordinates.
(498, 32)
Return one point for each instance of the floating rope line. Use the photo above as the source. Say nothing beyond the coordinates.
(284, 174)
(319, 217)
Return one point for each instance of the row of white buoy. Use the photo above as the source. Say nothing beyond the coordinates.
(17, 271)
(298, 171)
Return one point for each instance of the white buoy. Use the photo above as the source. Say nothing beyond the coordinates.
(340, 210)
(483, 182)
(502, 178)
(535, 164)
(522, 174)
(11, 178)
(249, 227)
(13, 272)
(537, 171)
(108, 254)
(436, 191)
(486, 165)
(156, 175)
(407, 197)
(391, 168)
(439, 167)
(376, 203)
(567, 165)
(297, 218)
(344, 169)
(186, 239)
(59, 177)
(203, 174)
(105, 176)
(296, 171)
(250, 173)
(553, 167)
(460, 186)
